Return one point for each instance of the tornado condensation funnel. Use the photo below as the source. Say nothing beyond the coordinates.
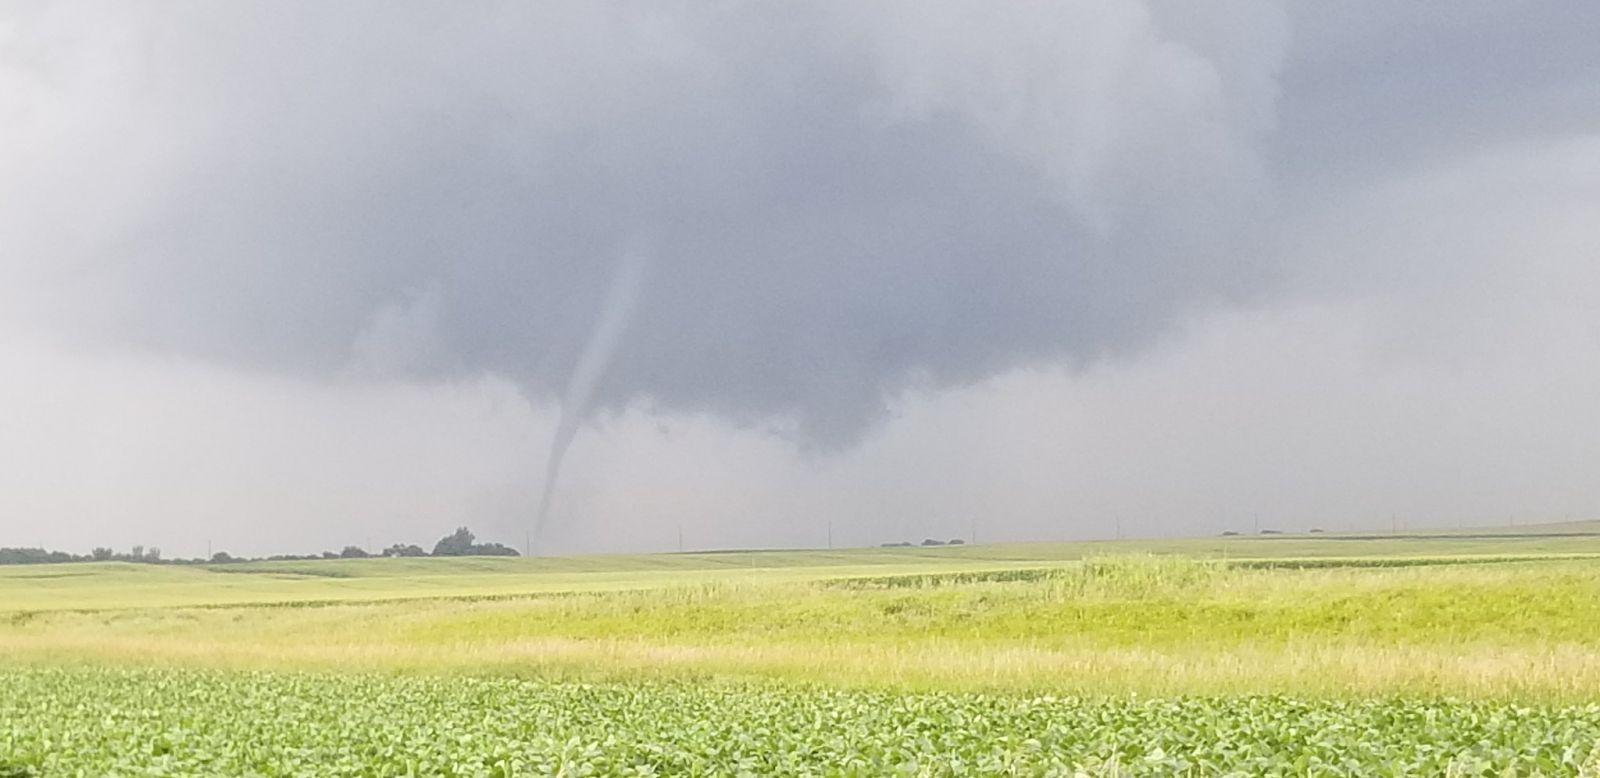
(622, 296)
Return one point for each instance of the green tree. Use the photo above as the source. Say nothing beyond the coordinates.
(458, 543)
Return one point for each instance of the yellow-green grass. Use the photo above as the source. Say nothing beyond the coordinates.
(120, 585)
(1001, 617)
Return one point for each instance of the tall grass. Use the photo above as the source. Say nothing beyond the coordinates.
(1114, 622)
(1136, 576)
(1100, 575)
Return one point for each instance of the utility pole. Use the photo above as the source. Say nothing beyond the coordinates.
(1119, 524)
(680, 538)
(830, 534)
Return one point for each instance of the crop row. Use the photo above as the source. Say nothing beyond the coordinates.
(115, 722)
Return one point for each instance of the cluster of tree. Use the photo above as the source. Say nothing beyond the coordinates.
(349, 552)
(1230, 533)
(463, 543)
(459, 543)
(926, 542)
(35, 556)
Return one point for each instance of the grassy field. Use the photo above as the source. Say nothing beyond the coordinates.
(1494, 622)
(120, 586)
(1508, 617)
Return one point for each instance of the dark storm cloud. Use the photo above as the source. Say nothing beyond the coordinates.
(840, 202)
(1373, 86)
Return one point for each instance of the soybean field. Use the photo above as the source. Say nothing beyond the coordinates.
(154, 722)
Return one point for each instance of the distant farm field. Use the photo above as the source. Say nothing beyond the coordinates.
(1407, 655)
(120, 585)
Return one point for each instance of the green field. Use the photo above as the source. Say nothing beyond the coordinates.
(1475, 653)
(103, 722)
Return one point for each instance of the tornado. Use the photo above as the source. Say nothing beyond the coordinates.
(615, 312)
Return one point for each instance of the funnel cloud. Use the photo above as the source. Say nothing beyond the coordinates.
(620, 300)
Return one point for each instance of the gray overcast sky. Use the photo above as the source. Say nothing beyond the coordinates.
(288, 276)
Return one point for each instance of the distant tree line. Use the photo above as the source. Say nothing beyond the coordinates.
(459, 543)
(35, 556)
